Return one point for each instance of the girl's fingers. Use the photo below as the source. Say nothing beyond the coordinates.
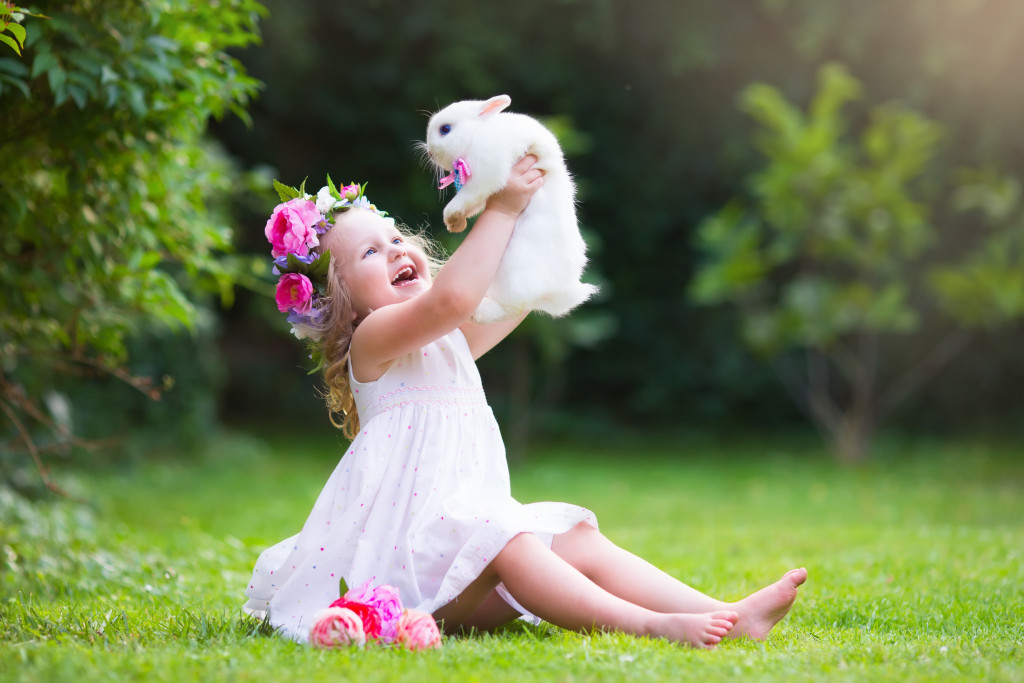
(525, 163)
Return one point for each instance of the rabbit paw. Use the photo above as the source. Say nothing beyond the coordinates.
(455, 222)
(490, 311)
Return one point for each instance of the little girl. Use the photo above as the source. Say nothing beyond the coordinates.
(421, 499)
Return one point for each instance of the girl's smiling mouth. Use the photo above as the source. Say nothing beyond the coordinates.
(404, 276)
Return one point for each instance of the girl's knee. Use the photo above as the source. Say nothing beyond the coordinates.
(576, 545)
(586, 528)
(583, 532)
(520, 545)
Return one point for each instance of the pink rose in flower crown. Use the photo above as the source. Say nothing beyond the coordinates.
(417, 631)
(349, 192)
(294, 293)
(337, 627)
(290, 228)
(368, 614)
(385, 600)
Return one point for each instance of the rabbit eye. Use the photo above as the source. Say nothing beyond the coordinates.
(446, 128)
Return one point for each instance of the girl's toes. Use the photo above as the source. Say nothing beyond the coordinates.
(723, 624)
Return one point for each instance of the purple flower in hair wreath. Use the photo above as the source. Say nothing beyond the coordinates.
(281, 262)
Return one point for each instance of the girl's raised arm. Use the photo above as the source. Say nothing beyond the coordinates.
(483, 338)
(395, 330)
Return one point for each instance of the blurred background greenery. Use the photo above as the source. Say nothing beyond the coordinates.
(817, 196)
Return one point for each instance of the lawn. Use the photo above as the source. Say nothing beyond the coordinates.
(916, 565)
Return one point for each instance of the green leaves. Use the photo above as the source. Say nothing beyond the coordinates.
(114, 206)
(986, 288)
(830, 251)
(822, 248)
(333, 190)
(16, 39)
(315, 271)
(733, 238)
(11, 31)
(286, 193)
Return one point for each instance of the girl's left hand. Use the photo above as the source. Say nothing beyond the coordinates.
(522, 184)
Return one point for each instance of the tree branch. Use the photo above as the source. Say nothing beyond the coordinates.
(819, 398)
(67, 363)
(913, 379)
(799, 393)
(31, 447)
(863, 387)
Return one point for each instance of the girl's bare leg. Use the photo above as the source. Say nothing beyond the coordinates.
(633, 579)
(554, 590)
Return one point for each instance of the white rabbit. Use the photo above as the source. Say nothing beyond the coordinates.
(544, 260)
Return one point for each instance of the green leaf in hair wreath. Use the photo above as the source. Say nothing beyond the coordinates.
(333, 189)
(285, 192)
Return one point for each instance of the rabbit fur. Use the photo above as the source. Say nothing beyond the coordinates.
(542, 265)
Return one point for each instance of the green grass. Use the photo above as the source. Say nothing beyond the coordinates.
(916, 566)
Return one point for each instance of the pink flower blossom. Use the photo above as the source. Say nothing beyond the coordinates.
(385, 600)
(349, 192)
(368, 614)
(294, 293)
(417, 631)
(337, 627)
(290, 227)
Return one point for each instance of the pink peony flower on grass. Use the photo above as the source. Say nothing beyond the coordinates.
(385, 600)
(417, 631)
(337, 627)
(294, 293)
(368, 614)
(290, 227)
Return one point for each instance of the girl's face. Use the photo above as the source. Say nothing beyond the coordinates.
(377, 264)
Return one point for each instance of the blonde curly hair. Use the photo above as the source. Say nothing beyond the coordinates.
(338, 327)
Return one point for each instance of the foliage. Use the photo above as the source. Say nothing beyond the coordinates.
(914, 562)
(988, 288)
(113, 204)
(823, 258)
(12, 32)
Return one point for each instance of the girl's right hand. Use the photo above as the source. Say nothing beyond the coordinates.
(393, 330)
(524, 181)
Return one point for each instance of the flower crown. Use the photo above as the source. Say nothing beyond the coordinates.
(293, 230)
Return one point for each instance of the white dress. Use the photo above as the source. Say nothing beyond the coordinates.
(420, 501)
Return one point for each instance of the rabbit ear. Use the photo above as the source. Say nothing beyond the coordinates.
(495, 104)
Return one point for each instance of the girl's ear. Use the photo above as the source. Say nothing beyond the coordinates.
(495, 104)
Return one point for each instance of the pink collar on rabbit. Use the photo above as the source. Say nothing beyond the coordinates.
(460, 175)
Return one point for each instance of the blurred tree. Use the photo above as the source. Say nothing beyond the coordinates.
(112, 203)
(825, 257)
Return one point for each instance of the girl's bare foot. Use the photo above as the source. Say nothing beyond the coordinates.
(702, 631)
(760, 611)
